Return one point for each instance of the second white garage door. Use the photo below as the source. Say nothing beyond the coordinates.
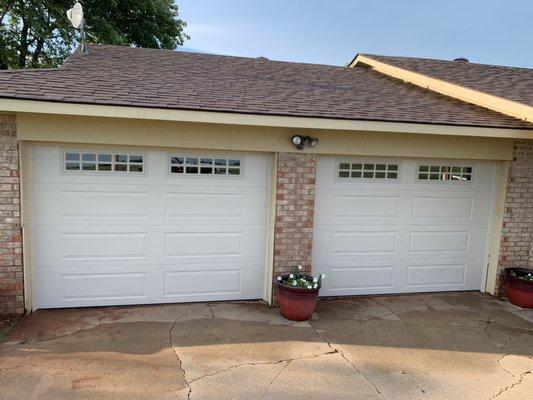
(396, 225)
(119, 226)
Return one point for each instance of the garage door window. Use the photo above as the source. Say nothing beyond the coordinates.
(202, 165)
(445, 173)
(361, 170)
(103, 162)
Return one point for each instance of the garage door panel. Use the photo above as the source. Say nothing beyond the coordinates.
(436, 275)
(360, 242)
(395, 237)
(148, 238)
(361, 278)
(185, 283)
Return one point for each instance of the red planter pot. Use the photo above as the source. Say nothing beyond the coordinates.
(296, 304)
(519, 291)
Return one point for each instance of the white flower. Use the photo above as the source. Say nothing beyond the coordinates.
(309, 287)
(323, 276)
(294, 283)
(315, 280)
(279, 278)
(315, 285)
(300, 268)
(291, 276)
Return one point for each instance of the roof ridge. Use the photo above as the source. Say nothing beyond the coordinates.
(469, 63)
(226, 56)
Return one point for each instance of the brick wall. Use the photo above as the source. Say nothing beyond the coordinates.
(516, 248)
(11, 275)
(295, 203)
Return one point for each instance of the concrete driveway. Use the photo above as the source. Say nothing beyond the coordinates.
(443, 346)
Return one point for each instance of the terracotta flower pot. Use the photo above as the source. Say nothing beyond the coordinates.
(519, 291)
(295, 303)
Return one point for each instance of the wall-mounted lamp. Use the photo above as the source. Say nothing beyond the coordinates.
(299, 141)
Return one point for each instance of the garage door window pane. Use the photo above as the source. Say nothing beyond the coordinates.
(445, 173)
(214, 166)
(102, 162)
(69, 166)
(104, 167)
(88, 167)
(367, 171)
(72, 156)
(104, 158)
(88, 157)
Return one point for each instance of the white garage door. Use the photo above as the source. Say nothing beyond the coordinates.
(396, 225)
(118, 226)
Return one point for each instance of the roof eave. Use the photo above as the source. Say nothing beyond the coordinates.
(291, 122)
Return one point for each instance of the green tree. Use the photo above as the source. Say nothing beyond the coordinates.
(37, 33)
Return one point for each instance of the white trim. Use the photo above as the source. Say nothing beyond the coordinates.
(44, 107)
(490, 225)
(271, 228)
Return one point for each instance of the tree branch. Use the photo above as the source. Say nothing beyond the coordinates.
(23, 47)
(37, 52)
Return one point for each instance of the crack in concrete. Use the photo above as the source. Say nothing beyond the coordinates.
(391, 311)
(505, 389)
(250, 363)
(374, 386)
(502, 367)
(33, 341)
(180, 363)
(489, 321)
(273, 380)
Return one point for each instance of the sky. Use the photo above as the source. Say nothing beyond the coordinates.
(333, 32)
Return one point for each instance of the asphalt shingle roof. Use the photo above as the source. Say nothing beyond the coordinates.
(114, 75)
(507, 82)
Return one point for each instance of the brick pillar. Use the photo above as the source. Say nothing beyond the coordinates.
(295, 204)
(516, 249)
(11, 274)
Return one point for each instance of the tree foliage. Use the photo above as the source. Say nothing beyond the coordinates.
(37, 33)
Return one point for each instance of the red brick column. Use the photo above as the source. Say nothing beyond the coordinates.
(295, 205)
(516, 248)
(11, 274)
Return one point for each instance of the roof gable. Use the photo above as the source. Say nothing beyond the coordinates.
(499, 84)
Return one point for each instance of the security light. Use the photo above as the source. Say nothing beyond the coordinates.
(299, 141)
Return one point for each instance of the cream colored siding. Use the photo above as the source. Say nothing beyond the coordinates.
(118, 131)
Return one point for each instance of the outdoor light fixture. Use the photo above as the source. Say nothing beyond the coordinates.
(299, 141)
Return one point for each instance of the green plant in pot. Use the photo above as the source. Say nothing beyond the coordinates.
(297, 294)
